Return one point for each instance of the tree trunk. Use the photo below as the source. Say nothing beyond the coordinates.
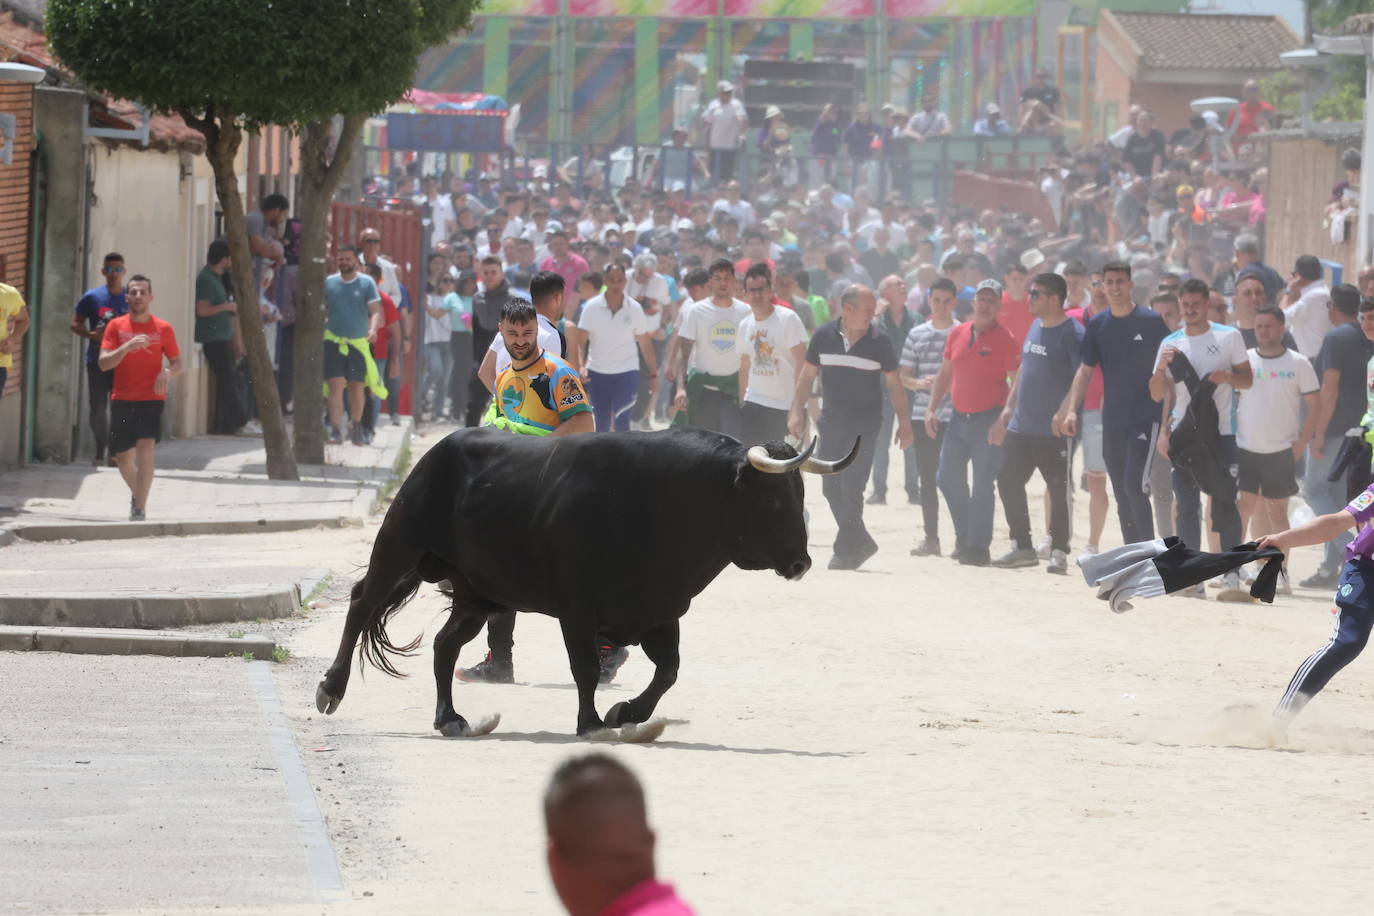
(222, 145)
(320, 176)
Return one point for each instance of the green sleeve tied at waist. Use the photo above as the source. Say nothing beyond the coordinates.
(373, 379)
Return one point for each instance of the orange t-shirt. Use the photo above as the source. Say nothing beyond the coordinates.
(137, 373)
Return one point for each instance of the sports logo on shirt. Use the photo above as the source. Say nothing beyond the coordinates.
(1363, 501)
(569, 392)
(722, 337)
(1346, 589)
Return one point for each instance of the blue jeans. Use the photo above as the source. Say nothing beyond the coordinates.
(966, 442)
(613, 398)
(1326, 497)
(438, 364)
(884, 446)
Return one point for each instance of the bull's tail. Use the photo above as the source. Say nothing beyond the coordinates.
(375, 645)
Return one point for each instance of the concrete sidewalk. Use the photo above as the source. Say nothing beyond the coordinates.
(204, 485)
(63, 568)
(154, 783)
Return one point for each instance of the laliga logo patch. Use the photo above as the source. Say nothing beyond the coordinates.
(1346, 589)
(1363, 500)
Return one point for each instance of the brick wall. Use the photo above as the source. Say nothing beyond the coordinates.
(16, 99)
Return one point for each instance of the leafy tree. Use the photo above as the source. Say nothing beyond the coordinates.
(231, 66)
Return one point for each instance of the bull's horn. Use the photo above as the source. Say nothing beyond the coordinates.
(762, 461)
(817, 466)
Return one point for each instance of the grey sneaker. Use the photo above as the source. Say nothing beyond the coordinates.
(1059, 563)
(1233, 590)
(137, 515)
(926, 548)
(1017, 557)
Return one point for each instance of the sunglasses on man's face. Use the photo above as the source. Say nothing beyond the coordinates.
(114, 270)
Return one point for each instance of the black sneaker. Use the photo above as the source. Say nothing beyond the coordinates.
(972, 556)
(137, 515)
(1017, 557)
(357, 435)
(612, 657)
(335, 437)
(489, 670)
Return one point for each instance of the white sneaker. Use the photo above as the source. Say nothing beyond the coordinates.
(1247, 575)
(1042, 549)
(1215, 581)
(251, 428)
(1089, 550)
(1232, 590)
(1284, 587)
(1193, 591)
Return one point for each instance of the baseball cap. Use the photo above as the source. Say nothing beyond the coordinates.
(992, 109)
(1032, 258)
(725, 86)
(1184, 190)
(772, 111)
(678, 186)
(988, 284)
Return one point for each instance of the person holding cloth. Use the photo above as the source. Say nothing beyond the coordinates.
(134, 348)
(1217, 354)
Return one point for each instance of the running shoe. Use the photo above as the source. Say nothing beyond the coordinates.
(1193, 591)
(1284, 586)
(1044, 548)
(489, 670)
(357, 435)
(877, 499)
(335, 437)
(1233, 590)
(1058, 564)
(137, 515)
(927, 548)
(612, 657)
(1089, 551)
(1016, 558)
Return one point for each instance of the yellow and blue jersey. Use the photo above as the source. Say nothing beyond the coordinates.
(542, 395)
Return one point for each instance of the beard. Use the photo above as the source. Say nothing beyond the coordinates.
(520, 354)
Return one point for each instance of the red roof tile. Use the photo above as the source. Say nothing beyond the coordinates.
(1200, 41)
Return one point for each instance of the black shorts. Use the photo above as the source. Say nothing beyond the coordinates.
(1273, 476)
(134, 420)
(350, 368)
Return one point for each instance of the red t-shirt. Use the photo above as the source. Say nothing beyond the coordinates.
(390, 315)
(1249, 118)
(980, 366)
(1092, 400)
(1015, 316)
(744, 264)
(137, 373)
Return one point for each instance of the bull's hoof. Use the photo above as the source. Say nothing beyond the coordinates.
(324, 702)
(633, 733)
(459, 728)
(618, 715)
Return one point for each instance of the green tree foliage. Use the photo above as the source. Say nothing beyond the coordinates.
(227, 66)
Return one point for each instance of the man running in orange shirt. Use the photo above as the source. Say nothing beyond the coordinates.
(135, 346)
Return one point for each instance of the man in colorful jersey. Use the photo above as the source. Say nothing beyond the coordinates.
(537, 394)
(1354, 598)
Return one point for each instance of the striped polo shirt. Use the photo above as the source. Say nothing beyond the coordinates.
(851, 374)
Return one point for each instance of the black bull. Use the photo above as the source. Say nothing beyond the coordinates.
(614, 534)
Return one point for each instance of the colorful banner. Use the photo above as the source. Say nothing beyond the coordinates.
(765, 9)
(943, 9)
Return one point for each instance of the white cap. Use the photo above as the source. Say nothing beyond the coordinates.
(678, 186)
(1032, 258)
(725, 86)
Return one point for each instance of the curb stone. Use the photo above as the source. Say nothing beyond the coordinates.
(94, 641)
(167, 609)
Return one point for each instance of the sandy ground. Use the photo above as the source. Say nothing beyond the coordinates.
(913, 737)
(916, 736)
